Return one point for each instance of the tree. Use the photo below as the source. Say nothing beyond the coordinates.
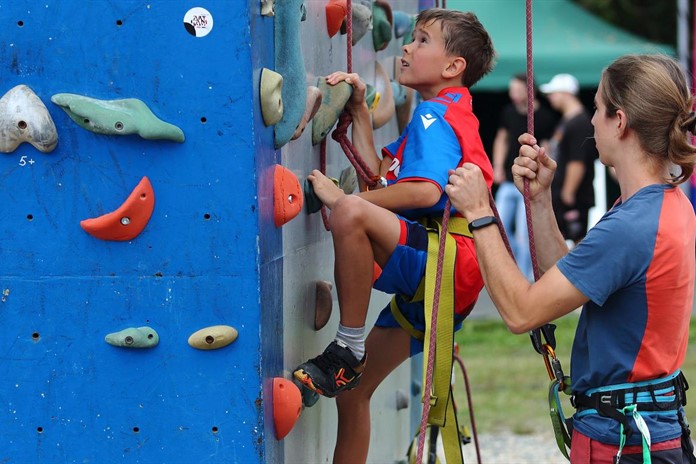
(653, 20)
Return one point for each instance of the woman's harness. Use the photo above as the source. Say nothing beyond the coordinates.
(622, 403)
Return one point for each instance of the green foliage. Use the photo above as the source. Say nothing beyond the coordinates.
(508, 379)
(653, 20)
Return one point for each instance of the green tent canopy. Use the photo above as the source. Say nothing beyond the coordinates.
(565, 39)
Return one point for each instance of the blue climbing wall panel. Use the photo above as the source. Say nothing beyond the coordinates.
(209, 254)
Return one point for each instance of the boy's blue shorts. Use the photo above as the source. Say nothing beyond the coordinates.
(402, 275)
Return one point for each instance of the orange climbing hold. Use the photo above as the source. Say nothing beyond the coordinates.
(336, 12)
(128, 220)
(287, 195)
(287, 405)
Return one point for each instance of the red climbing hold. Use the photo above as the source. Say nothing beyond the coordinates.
(336, 12)
(128, 220)
(287, 405)
(287, 195)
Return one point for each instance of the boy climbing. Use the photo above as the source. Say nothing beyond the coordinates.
(451, 51)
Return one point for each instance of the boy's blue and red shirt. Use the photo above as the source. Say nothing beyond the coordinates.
(442, 135)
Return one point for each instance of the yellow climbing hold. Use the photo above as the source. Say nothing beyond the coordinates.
(213, 337)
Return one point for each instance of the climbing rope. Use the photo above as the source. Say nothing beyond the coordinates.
(545, 347)
(548, 345)
(340, 134)
(433, 335)
(474, 432)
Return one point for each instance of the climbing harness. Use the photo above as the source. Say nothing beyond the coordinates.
(625, 401)
(439, 412)
(434, 449)
(438, 342)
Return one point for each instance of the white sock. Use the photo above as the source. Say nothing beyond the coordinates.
(353, 338)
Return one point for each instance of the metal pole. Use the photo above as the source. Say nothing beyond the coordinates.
(683, 33)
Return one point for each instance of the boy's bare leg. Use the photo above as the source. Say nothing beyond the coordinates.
(362, 234)
(389, 348)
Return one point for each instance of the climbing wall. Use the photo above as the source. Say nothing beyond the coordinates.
(207, 256)
(308, 258)
(205, 253)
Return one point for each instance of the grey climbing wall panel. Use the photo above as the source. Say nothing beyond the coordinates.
(308, 257)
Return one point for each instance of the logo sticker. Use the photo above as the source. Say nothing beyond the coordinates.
(428, 119)
(198, 22)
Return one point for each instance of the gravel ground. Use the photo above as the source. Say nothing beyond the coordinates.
(508, 448)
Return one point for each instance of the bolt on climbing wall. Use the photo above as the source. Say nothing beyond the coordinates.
(135, 244)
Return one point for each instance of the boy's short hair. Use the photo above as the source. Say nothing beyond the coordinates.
(464, 36)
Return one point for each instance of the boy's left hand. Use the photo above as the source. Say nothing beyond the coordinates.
(325, 189)
(468, 192)
(357, 99)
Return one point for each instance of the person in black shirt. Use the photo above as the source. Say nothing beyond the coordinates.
(509, 201)
(573, 148)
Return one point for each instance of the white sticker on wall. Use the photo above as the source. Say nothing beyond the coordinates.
(198, 22)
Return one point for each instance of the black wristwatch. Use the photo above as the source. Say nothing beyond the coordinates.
(482, 222)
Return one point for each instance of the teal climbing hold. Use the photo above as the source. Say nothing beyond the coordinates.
(372, 97)
(348, 183)
(408, 32)
(140, 337)
(402, 23)
(289, 63)
(399, 92)
(309, 397)
(381, 24)
(116, 117)
(311, 200)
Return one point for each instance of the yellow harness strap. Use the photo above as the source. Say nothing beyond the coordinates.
(442, 411)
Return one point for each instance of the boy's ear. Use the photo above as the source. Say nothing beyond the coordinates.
(455, 68)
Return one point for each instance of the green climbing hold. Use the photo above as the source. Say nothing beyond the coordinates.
(116, 117)
(371, 97)
(408, 32)
(141, 337)
(334, 99)
(311, 200)
(381, 25)
(309, 397)
(348, 181)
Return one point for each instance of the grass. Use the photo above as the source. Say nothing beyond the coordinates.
(508, 379)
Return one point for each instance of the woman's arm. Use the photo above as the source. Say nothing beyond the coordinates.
(522, 305)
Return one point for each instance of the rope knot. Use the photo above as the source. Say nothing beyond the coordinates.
(341, 130)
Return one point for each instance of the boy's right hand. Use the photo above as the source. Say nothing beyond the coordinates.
(534, 164)
(357, 99)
